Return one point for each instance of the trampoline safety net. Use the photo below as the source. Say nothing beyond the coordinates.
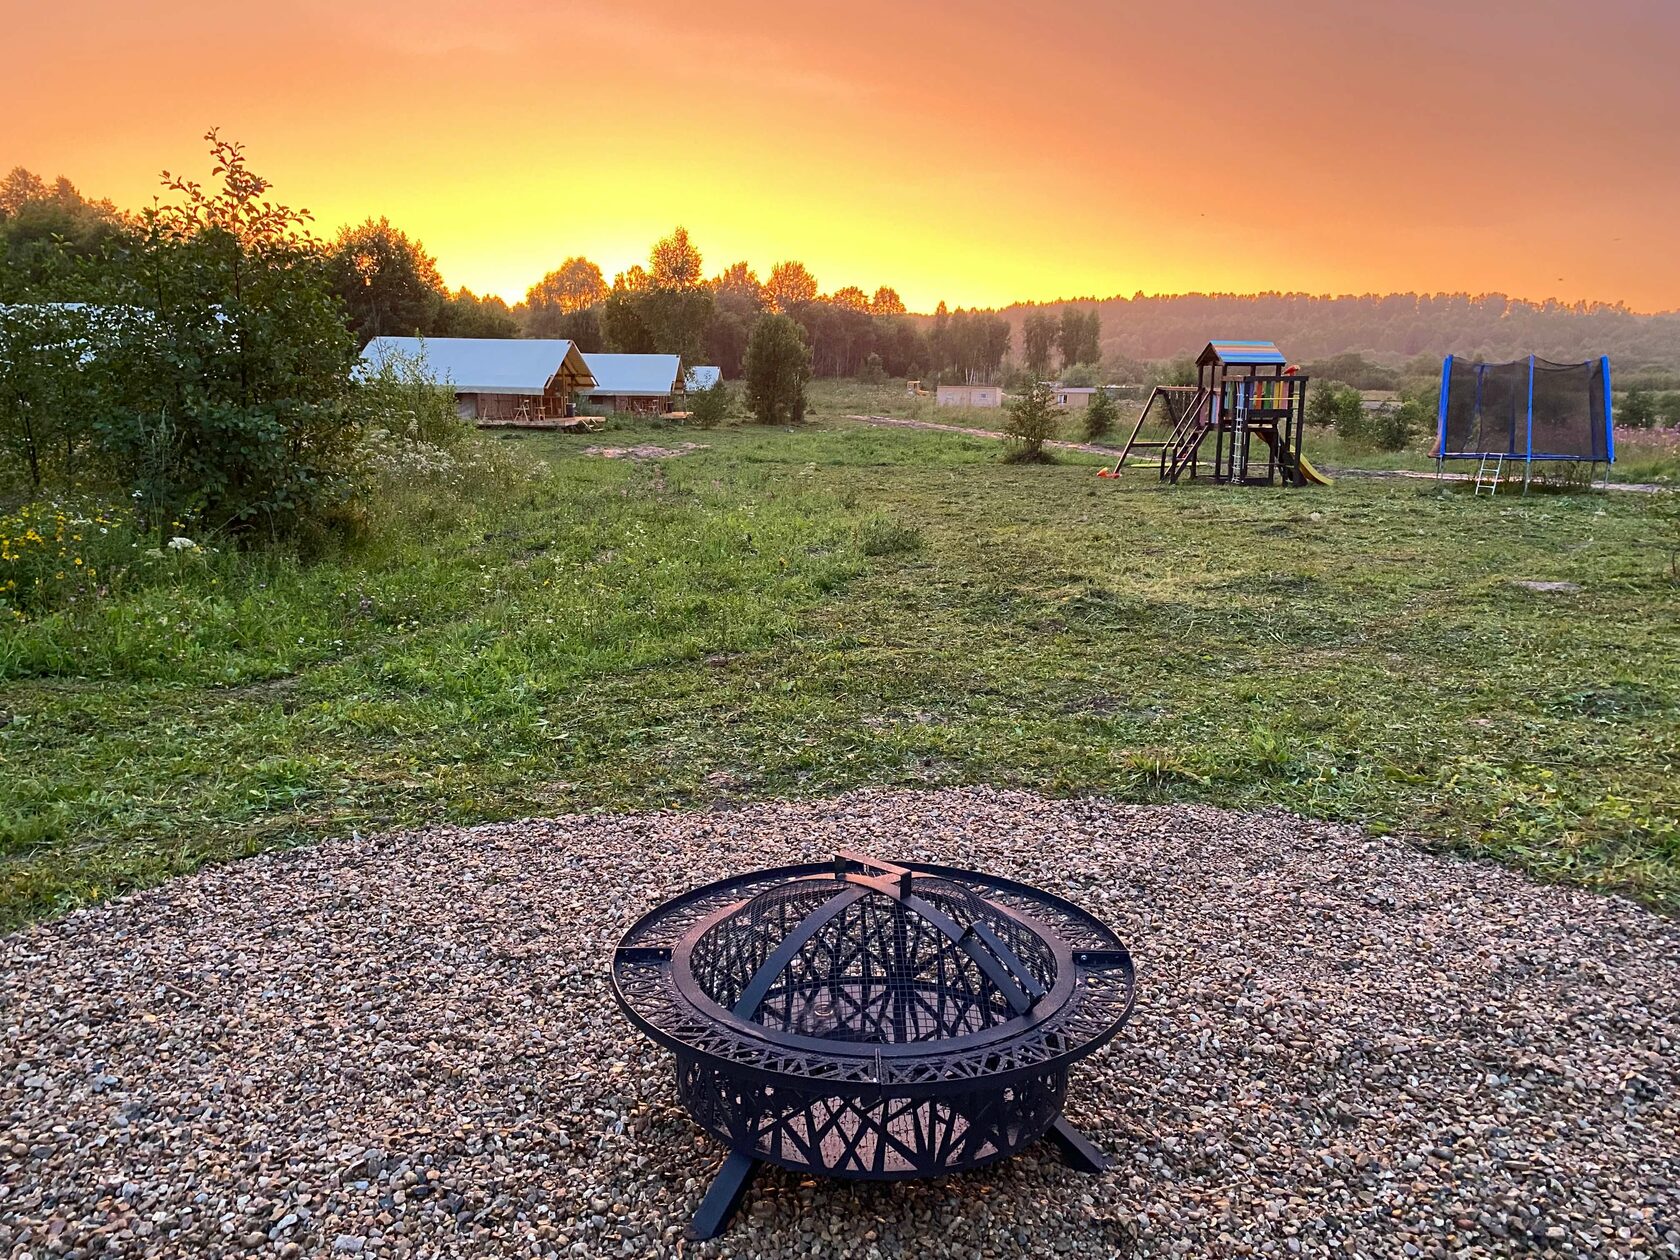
(1529, 409)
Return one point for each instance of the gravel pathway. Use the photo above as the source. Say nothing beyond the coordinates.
(404, 1045)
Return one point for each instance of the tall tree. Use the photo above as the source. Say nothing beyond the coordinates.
(50, 229)
(465, 314)
(675, 262)
(739, 280)
(790, 286)
(850, 298)
(388, 283)
(1038, 339)
(778, 367)
(1076, 336)
(886, 302)
(575, 285)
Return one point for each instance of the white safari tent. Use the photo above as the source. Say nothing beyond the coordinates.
(634, 382)
(496, 380)
(699, 378)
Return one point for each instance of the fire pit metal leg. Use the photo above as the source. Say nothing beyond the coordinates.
(1076, 1148)
(729, 1187)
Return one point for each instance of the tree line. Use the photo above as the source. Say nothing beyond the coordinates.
(670, 306)
(1394, 329)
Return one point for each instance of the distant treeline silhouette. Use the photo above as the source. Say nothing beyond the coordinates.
(1393, 328)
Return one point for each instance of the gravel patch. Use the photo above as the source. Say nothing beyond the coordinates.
(404, 1045)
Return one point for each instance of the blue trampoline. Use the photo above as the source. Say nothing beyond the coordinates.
(1528, 411)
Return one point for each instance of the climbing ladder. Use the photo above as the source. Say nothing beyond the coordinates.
(1180, 449)
(1489, 479)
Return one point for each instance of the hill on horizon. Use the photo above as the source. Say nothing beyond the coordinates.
(1393, 329)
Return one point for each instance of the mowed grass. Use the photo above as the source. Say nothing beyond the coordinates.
(790, 613)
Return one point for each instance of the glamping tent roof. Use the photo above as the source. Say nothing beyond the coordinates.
(648, 375)
(487, 365)
(1243, 353)
(702, 377)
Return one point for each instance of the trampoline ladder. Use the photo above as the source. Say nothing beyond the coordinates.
(1487, 480)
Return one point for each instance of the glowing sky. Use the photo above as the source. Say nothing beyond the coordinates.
(968, 150)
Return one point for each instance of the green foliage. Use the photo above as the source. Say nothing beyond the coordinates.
(778, 365)
(709, 407)
(1032, 417)
(49, 394)
(874, 372)
(465, 314)
(1038, 339)
(46, 230)
(1356, 370)
(389, 284)
(225, 363)
(967, 345)
(1077, 336)
(1100, 416)
(1638, 410)
(575, 285)
(402, 399)
(1080, 375)
(1334, 406)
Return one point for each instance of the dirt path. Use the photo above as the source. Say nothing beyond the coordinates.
(1636, 487)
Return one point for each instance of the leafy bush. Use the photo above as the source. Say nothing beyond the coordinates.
(709, 407)
(1100, 416)
(1339, 407)
(224, 364)
(1031, 422)
(1638, 410)
(778, 366)
(1391, 428)
(402, 398)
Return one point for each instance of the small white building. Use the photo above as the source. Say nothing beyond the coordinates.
(969, 396)
(497, 380)
(646, 383)
(1074, 397)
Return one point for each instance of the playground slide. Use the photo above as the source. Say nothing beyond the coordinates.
(1312, 475)
(1309, 474)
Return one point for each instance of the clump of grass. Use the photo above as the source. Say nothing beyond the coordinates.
(880, 535)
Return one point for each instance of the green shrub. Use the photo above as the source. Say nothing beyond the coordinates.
(1339, 407)
(1638, 410)
(709, 407)
(1100, 416)
(1031, 422)
(226, 364)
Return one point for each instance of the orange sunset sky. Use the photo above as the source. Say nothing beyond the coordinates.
(964, 150)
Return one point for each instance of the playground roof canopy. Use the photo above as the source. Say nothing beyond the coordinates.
(1241, 353)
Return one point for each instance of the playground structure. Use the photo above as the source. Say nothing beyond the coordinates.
(1245, 391)
(1529, 411)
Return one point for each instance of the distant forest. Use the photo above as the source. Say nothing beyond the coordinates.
(1392, 329)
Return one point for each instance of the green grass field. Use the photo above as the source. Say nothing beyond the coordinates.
(794, 613)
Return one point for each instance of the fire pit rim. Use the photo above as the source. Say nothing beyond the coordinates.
(963, 1062)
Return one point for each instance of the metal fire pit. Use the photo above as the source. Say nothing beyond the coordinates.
(861, 1019)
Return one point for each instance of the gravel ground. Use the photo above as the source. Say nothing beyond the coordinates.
(405, 1045)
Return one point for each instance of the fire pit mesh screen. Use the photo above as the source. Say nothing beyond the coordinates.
(870, 968)
(864, 1019)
